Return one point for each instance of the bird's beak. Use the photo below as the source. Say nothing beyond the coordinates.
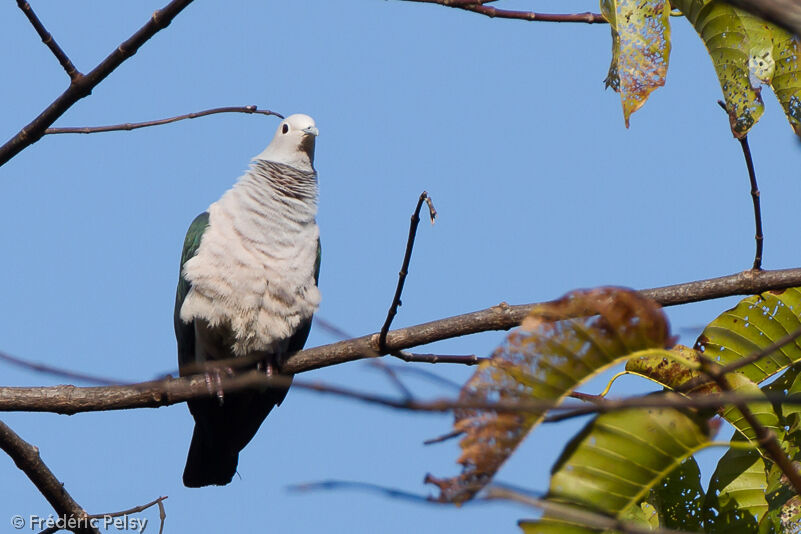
(311, 130)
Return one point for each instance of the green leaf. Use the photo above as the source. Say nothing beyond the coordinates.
(675, 368)
(735, 500)
(677, 499)
(755, 323)
(748, 52)
(763, 411)
(786, 80)
(784, 505)
(725, 33)
(792, 412)
(640, 49)
(619, 457)
(558, 346)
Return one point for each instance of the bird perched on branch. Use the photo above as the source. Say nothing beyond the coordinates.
(248, 289)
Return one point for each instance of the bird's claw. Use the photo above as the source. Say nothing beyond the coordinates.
(214, 379)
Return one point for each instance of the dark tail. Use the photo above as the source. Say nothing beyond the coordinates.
(207, 464)
(222, 429)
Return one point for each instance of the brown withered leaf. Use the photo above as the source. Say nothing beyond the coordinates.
(558, 346)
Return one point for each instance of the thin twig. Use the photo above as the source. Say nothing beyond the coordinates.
(492, 12)
(27, 458)
(48, 40)
(331, 328)
(407, 257)
(749, 163)
(136, 125)
(392, 376)
(59, 371)
(468, 359)
(428, 375)
(82, 84)
(496, 492)
(758, 236)
(129, 511)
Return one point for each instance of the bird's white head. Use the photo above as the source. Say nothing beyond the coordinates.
(293, 143)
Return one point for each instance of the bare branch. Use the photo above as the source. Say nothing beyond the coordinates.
(468, 359)
(407, 257)
(82, 84)
(48, 40)
(492, 12)
(155, 394)
(129, 511)
(749, 162)
(27, 458)
(58, 371)
(135, 125)
(504, 317)
(500, 317)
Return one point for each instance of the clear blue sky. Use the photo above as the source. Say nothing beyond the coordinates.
(539, 186)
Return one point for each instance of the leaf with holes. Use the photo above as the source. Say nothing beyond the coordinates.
(755, 323)
(729, 44)
(640, 49)
(748, 52)
(735, 500)
(786, 80)
(678, 498)
(784, 505)
(619, 457)
(558, 346)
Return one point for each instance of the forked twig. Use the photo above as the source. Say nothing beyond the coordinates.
(27, 458)
(82, 84)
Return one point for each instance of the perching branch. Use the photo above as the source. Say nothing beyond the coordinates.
(48, 40)
(478, 6)
(27, 458)
(500, 317)
(135, 125)
(504, 316)
(82, 84)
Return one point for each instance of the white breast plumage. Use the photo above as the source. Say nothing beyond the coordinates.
(254, 269)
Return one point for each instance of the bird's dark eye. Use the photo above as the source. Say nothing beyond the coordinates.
(285, 129)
